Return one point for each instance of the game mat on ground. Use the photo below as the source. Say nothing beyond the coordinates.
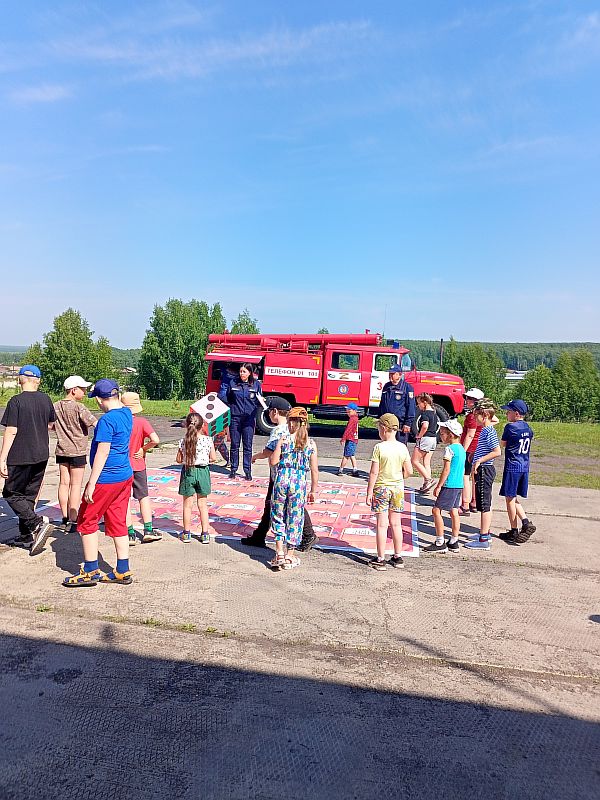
(339, 515)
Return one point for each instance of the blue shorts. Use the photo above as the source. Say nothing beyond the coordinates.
(448, 498)
(514, 483)
(349, 448)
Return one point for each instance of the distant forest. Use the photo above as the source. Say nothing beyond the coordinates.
(426, 353)
(514, 355)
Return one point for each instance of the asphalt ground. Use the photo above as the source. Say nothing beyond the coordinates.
(472, 675)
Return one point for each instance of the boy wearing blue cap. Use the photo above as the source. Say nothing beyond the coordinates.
(349, 440)
(516, 441)
(108, 489)
(24, 455)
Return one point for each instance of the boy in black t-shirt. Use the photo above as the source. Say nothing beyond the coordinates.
(24, 456)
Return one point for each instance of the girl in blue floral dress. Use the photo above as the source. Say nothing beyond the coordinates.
(295, 457)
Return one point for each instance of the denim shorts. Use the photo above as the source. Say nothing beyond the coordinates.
(427, 444)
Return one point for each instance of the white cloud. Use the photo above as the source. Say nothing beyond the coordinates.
(43, 93)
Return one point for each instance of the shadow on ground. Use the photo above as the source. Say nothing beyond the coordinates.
(96, 722)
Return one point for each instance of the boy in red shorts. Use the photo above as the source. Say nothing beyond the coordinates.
(107, 491)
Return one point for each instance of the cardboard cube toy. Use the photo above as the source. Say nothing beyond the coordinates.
(214, 412)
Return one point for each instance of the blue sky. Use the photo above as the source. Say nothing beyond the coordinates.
(434, 166)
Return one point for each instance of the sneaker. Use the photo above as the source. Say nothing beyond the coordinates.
(307, 543)
(40, 534)
(24, 540)
(151, 536)
(64, 523)
(72, 528)
(132, 539)
(185, 537)
(453, 547)
(251, 541)
(480, 543)
(247, 477)
(205, 538)
(525, 533)
(232, 476)
(380, 566)
(396, 561)
(340, 472)
(508, 536)
(434, 547)
(355, 473)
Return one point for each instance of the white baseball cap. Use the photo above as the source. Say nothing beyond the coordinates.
(475, 394)
(453, 426)
(76, 381)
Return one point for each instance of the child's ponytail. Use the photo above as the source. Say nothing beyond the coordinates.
(193, 426)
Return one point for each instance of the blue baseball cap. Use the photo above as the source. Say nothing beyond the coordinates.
(31, 371)
(104, 388)
(395, 368)
(519, 406)
(353, 406)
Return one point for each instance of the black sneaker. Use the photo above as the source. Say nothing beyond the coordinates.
(434, 547)
(355, 473)
(396, 561)
(40, 534)
(453, 547)
(24, 540)
(525, 533)
(508, 536)
(252, 541)
(307, 543)
(380, 566)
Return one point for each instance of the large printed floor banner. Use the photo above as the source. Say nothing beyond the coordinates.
(340, 517)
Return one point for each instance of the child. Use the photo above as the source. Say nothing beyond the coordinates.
(488, 449)
(277, 411)
(426, 441)
(195, 453)
(516, 439)
(107, 491)
(449, 488)
(24, 455)
(295, 455)
(349, 440)
(143, 438)
(390, 464)
(73, 421)
(468, 440)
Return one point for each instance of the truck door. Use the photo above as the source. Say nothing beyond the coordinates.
(342, 375)
(380, 373)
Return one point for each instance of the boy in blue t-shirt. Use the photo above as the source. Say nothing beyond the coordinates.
(448, 491)
(107, 491)
(488, 449)
(516, 439)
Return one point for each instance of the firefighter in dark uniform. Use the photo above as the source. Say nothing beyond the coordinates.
(241, 395)
(398, 397)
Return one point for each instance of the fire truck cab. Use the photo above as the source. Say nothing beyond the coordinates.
(324, 372)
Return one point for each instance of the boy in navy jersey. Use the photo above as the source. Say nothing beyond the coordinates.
(516, 439)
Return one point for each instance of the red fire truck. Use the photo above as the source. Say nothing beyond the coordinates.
(324, 372)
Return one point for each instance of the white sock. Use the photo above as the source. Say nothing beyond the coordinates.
(439, 540)
(453, 539)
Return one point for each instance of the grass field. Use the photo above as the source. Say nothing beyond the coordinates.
(564, 453)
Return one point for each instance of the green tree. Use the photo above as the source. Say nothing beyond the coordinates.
(450, 358)
(538, 390)
(244, 323)
(68, 349)
(172, 362)
(323, 331)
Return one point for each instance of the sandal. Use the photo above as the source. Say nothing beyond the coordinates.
(290, 562)
(83, 579)
(276, 563)
(464, 512)
(117, 577)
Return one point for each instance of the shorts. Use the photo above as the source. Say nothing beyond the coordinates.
(72, 461)
(514, 483)
(140, 484)
(194, 480)
(427, 444)
(448, 498)
(111, 501)
(349, 448)
(469, 464)
(484, 480)
(388, 498)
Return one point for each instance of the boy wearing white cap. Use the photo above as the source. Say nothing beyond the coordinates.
(449, 488)
(470, 435)
(73, 421)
